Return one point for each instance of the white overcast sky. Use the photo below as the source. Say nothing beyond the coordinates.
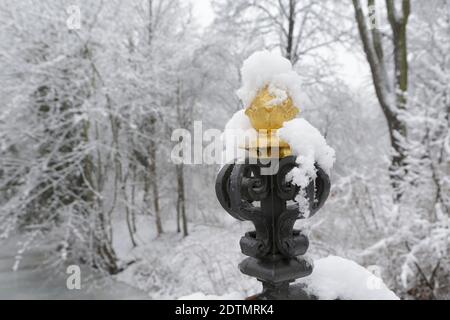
(203, 11)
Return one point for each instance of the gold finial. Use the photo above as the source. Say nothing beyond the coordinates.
(266, 116)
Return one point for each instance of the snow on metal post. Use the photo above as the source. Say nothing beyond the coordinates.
(261, 189)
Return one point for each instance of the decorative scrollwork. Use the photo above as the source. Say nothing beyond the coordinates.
(223, 190)
(254, 186)
(239, 186)
(286, 190)
(321, 190)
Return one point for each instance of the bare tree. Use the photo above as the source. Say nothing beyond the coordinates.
(298, 28)
(391, 86)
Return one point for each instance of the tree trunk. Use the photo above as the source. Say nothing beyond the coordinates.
(128, 211)
(150, 21)
(133, 200)
(102, 244)
(130, 225)
(154, 177)
(398, 26)
(391, 93)
(181, 203)
(290, 35)
(178, 214)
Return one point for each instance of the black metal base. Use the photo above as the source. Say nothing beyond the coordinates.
(274, 248)
(277, 270)
(283, 291)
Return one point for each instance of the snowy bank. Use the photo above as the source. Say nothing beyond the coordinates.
(202, 296)
(332, 278)
(171, 266)
(338, 278)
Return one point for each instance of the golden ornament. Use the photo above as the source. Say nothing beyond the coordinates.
(266, 118)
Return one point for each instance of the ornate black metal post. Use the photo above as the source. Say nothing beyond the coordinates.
(257, 191)
(275, 248)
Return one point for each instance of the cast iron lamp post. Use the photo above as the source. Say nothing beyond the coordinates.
(256, 190)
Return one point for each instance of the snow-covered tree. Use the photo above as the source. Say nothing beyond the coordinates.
(389, 73)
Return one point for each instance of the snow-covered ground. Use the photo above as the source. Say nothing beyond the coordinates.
(167, 267)
(200, 266)
(332, 278)
(170, 266)
(204, 266)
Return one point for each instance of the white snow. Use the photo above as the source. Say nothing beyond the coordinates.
(332, 278)
(310, 147)
(308, 144)
(237, 131)
(335, 277)
(264, 68)
(202, 296)
(172, 266)
(279, 94)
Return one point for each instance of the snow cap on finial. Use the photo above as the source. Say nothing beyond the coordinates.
(264, 69)
(269, 93)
